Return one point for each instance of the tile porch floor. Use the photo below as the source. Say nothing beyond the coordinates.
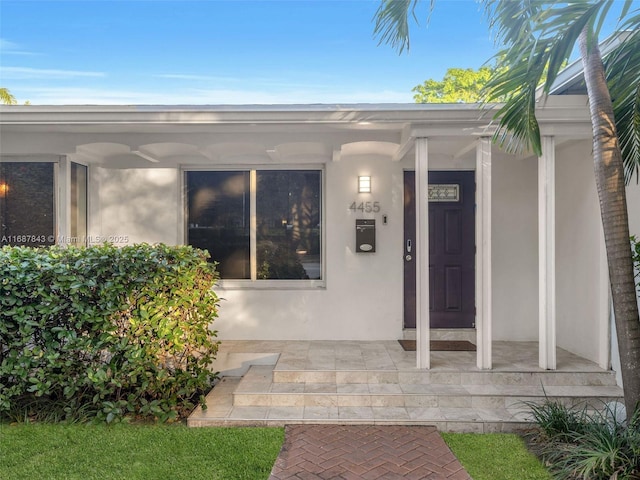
(289, 382)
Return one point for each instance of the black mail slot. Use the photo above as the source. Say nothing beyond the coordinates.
(365, 236)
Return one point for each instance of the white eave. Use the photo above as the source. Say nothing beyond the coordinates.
(357, 116)
(239, 114)
(156, 136)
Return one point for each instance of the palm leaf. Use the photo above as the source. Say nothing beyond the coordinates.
(6, 97)
(540, 36)
(392, 22)
(623, 78)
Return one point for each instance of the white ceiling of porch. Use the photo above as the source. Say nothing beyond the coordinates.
(120, 155)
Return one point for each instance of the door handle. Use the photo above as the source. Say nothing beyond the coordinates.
(409, 246)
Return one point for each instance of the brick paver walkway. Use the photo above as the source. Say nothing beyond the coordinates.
(349, 452)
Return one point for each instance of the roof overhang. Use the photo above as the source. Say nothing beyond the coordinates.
(155, 136)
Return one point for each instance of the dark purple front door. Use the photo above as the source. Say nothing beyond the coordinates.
(451, 249)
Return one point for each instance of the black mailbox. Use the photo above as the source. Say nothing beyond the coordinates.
(365, 236)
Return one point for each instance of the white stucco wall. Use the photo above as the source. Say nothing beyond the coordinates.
(578, 248)
(633, 206)
(515, 248)
(362, 297)
(134, 205)
(363, 294)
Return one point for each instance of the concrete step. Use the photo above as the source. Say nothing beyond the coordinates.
(221, 411)
(258, 389)
(257, 400)
(377, 383)
(545, 378)
(413, 400)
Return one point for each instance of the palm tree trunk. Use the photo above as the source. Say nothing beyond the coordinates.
(609, 173)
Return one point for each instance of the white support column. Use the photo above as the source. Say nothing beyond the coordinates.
(483, 254)
(423, 350)
(253, 225)
(94, 212)
(63, 200)
(547, 254)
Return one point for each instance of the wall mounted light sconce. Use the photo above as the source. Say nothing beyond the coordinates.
(364, 184)
(4, 188)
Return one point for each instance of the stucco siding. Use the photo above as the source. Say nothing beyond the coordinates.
(633, 206)
(578, 248)
(362, 299)
(135, 205)
(515, 248)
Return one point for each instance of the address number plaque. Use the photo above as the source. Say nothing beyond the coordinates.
(365, 207)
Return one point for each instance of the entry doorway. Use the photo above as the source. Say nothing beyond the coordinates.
(451, 249)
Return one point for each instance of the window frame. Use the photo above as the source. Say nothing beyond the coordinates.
(79, 238)
(254, 282)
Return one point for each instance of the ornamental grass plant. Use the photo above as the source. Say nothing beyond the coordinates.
(577, 444)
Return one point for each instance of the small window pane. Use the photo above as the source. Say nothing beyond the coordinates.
(288, 224)
(78, 204)
(27, 203)
(218, 219)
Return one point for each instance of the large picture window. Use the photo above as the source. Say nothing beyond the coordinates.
(259, 224)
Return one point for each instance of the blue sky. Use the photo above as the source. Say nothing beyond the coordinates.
(234, 52)
(226, 52)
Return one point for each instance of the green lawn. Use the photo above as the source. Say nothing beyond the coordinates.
(496, 456)
(60, 451)
(136, 452)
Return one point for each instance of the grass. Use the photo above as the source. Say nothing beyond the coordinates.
(496, 456)
(57, 451)
(77, 451)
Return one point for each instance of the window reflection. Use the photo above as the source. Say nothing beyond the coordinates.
(218, 219)
(288, 224)
(27, 209)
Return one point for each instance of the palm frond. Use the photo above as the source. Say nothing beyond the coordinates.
(628, 125)
(518, 130)
(6, 97)
(540, 36)
(515, 84)
(512, 21)
(623, 77)
(392, 22)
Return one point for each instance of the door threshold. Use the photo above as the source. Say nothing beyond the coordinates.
(468, 334)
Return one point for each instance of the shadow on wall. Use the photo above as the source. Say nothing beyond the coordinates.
(139, 205)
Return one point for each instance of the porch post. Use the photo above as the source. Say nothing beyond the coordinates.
(547, 254)
(94, 220)
(483, 254)
(423, 352)
(63, 223)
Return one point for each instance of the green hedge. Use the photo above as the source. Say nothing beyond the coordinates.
(105, 332)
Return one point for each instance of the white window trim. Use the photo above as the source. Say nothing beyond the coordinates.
(254, 283)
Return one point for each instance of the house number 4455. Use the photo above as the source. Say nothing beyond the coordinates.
(365, 207)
